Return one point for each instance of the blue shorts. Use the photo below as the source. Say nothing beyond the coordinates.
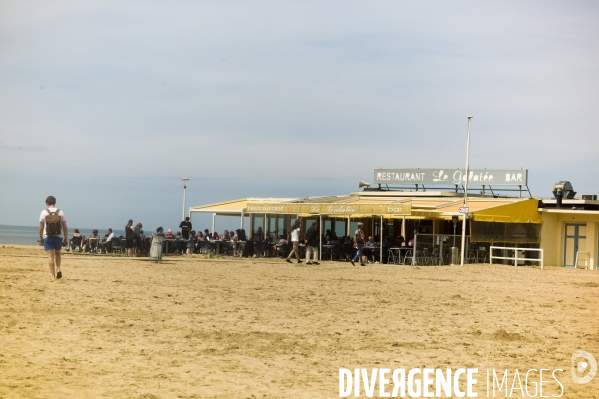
(52, 242)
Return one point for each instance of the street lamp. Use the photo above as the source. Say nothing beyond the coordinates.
(465, 213)
(185, 180)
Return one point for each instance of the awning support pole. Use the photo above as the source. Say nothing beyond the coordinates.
(320, 241)
(465, 214)
(381, 234)
(213, 221)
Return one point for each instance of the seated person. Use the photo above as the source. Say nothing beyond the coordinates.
(259, 235)
(268, 245)
(215, 236)
(370, 242)
(76, 241)
(206, 235)
(106, 245)
(169, 233)
(233, 236)
(348, 249)
(225, 236)
(179, 243)
(400, 241)
(280, 245)
(92, 242)
(387, 242)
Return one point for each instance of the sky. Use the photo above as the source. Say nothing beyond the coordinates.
(108, 104)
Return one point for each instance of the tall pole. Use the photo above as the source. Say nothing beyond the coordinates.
(185, 180)
(465, 214)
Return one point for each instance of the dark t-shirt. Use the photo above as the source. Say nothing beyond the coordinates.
(312, 237)
(128, 232)
(185, 228)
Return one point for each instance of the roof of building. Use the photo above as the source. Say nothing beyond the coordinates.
(510, 210)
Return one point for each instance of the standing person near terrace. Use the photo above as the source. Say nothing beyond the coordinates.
(53, 233)
(312, 244)
(129, 233)
(185, 227)
(294, 236)
(359, 240)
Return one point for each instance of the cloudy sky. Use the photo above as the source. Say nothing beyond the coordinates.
(108, 104)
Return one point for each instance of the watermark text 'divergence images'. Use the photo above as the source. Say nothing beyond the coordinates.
(461, 382)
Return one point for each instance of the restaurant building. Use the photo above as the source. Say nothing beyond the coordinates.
(569, 235)
(427, 206)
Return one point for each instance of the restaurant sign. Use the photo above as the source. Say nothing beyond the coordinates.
(331, 209)
(486, 177)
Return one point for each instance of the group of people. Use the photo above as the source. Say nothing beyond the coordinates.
(311, 241)
(135, 238)
(191, 238)
(94, 243)
(53, 234)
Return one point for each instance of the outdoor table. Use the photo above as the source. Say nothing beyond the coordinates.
(167, 245)
(327, 249)
(172, 244)
(215, 246)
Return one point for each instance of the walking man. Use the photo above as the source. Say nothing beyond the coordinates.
(359, 240)
(312, 244)
(53, 233)
(294, 234)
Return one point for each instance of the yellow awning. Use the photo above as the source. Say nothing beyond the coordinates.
(506, 210)
(524, 211)
(235, 207)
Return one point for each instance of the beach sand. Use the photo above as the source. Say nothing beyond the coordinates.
(261, 328)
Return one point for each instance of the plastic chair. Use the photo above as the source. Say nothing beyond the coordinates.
(76, 242)
(115, 247)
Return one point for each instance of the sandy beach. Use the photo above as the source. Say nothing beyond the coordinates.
(118, 327)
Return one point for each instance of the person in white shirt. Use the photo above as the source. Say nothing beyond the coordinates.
(54, 236)
(107, 244)
(294, 236)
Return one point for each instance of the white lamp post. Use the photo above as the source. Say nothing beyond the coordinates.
(185, 180)
(466, 193)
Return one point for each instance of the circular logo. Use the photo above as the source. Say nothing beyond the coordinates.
(583, 362)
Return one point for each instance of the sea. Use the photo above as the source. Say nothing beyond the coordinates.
(28, 235)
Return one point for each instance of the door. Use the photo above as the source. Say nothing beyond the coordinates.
(575, 240)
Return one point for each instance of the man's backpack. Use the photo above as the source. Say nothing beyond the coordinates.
(53, 223)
